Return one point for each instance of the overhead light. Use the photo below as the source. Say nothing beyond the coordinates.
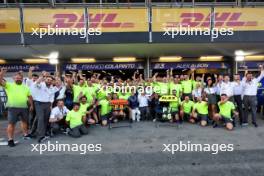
(124, 59)
(255, 57)
(211, 58)
(53, 55)
(240, 58)
(35, 61)
(2, 61)
(82, 60)
(239, 53)
(170, 58)
(53, 61)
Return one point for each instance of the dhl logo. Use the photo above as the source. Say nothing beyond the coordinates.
(228, 19)
(103, 20)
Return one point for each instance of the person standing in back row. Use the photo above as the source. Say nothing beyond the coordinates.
(250, 87)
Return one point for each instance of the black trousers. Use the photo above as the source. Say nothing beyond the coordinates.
(239, 104)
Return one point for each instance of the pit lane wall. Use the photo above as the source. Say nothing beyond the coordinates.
(131, 25)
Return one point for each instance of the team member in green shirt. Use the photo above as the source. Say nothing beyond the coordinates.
(186, 110)
(78, 90)
(18, 97)
(88, 110)
(105, 110)
(76, 119)
(174, 107)
(187, 85)
(200, 111)
(225, 114)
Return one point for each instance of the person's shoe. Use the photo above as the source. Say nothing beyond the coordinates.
(52, 134)
(42, 139)
(154, 120)
(244, 124)
(255, 124)
(215, 125)
(11, 143)
(27, 137)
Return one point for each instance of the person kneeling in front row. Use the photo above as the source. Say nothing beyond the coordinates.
(57, 118)
(76, 119)
(226, 109)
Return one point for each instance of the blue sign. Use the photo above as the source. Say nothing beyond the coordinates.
(25, 67)
(103, 66)
(250, 64)
(189, 65)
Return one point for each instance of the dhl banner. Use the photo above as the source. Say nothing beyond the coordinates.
(164, 18)
(107, 20)
(239, 19)
(9, 21)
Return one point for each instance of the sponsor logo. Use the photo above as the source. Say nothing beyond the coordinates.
(228, 19)
(98, 20)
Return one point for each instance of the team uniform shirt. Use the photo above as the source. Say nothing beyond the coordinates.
(187, 106)
(210, 90)
(143, 100)
(227, 88)
(187, 86)
(74, 118)
(77, 89)
(90, 93)
(251, 88)
(174, 105)
(84, 107)
(17, 95)
(197, 92)
(45, 94)
(32, 88)
(226, 109)
(161, 88)
(201, 107)
(177, 87)
(105, 107)
(58, 113)
(238, 88)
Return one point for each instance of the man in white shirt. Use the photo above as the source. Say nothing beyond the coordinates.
(57, 117)
(238, 93)
(227, 88)
(43, 104)
(143, 101)
(250, 87)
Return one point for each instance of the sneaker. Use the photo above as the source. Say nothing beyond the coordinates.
(138, 120)
(154, 120)
(244, 124)
(27, 137)
(11, 143)
(42, 139)
(255, 124)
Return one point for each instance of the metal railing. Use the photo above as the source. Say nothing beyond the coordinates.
(128, 3)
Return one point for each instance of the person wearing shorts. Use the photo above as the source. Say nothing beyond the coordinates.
(225, 114)
(18, 97)
(200, 111)
(186, 110)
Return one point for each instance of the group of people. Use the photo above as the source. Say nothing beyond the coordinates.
(49, 104)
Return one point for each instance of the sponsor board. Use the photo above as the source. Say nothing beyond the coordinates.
(189, 65)
(9, 21)
(25, 67)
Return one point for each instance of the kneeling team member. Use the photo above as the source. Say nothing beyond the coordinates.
(76, 119)
(200, 111)
(186, 110)
(226, 109)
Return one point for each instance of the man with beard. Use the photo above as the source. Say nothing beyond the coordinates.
(43, 104)
(18, 96)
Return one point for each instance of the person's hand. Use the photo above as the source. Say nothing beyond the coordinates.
(192, 69)
(236, 114)
(31, 108)
(31, 68)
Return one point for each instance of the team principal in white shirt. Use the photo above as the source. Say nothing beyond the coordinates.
(250, 87)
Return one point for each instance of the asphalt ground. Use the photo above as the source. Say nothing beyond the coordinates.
(140, 151)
